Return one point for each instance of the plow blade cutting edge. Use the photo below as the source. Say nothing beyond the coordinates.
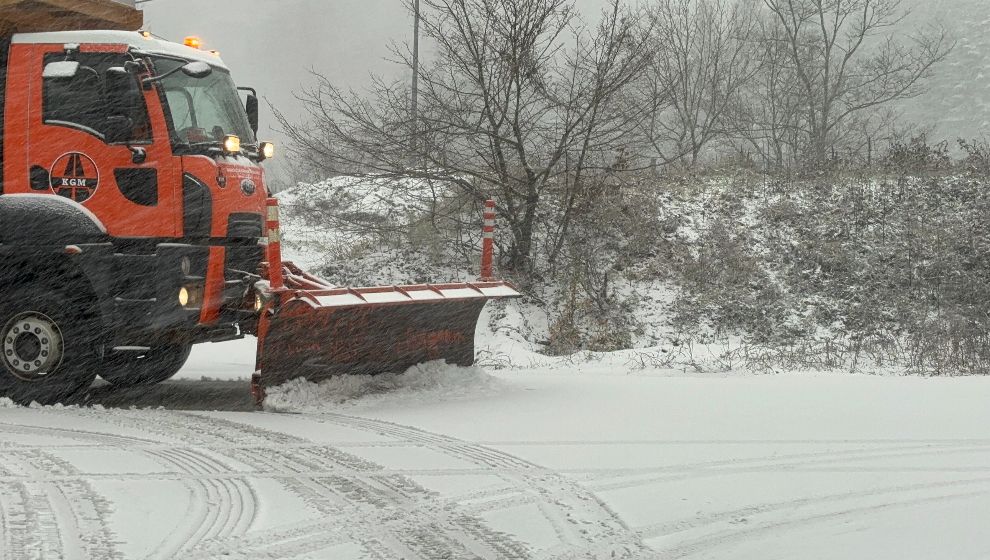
(318, 334)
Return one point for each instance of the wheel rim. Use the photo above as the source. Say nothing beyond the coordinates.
(32, 346)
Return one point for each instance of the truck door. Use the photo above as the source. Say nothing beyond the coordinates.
(69, 155)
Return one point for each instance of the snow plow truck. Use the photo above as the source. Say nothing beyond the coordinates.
(135, 222)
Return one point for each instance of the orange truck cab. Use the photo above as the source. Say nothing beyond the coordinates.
(132, 209)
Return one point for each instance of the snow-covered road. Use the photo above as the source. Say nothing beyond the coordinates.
(526, 464)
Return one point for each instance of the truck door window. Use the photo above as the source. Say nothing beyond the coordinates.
(80, 102)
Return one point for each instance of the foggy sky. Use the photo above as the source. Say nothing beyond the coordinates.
(272, 45)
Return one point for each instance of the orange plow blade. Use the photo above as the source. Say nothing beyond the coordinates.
(320, 333)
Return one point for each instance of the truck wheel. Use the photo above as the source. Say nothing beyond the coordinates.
(50, 345)
(132, 369)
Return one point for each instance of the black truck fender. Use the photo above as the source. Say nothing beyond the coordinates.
(47, 220)
(53, 240)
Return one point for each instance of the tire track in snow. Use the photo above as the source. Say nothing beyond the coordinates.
(22, 525)
(400, 523)
(583, 522)
(203, 527)
(42, 519)
(86, 435)
(621, 480)
(369, 501)
(220, 506)
(736, 515)
(286, 541)
(408, 520)
(714, 531)
(308, 459)
(30, 525)
(711, 442)
(722, 527)
(498, 499)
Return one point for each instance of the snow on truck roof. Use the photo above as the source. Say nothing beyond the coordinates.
(132, 39)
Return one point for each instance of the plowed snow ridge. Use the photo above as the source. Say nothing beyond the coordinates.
(423, 383)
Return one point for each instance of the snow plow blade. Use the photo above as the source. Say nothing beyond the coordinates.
(318, 334)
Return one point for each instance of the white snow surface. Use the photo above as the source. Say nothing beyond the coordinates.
(559, 460)
(658, 452)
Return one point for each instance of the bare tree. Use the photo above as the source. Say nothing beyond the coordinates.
(846, 61)
(519, 102)
(702, 55)
(771, 111)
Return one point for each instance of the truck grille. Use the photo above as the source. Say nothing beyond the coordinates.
(244, 226)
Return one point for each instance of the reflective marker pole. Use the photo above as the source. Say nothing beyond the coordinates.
(488, 242)
(274, 247)
(276, 283)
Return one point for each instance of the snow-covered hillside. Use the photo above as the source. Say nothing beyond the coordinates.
(717, 272)
(326, 222)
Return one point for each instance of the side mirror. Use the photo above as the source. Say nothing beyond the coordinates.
(251, 106)
(197, 70)
(123, 98)
(123, 93)
(63, 69)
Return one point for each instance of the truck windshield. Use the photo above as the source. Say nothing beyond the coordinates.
(203, 110)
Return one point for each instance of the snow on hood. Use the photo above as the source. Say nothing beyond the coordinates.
(421, 384)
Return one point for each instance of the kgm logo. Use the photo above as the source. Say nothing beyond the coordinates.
(75, 176)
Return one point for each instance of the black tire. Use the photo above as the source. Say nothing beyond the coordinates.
(50, 344)
(133, 369)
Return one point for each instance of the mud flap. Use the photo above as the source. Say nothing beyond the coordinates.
(321, 334)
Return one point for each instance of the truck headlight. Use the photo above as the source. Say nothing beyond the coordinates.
(232, 144)
(191, 296)
(267, 150)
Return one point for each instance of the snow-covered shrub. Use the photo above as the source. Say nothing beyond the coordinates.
(838, 272)
(615, 228)
(977, 160)
(917, 157)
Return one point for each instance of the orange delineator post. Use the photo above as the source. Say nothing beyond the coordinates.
(274, 252)
(488, 242)
(276, 284)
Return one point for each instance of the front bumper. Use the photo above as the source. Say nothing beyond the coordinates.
(142, 293)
